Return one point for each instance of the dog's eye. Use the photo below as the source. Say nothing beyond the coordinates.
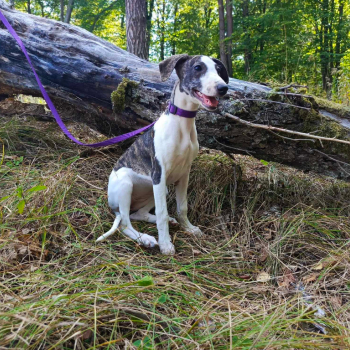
(198, 68)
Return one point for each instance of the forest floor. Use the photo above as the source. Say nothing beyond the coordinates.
(272, 271)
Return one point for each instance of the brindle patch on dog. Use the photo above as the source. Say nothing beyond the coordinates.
(141, 157)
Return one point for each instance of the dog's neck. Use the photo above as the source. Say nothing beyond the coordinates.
(182, 100)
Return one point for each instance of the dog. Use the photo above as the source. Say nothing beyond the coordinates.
(163, 155)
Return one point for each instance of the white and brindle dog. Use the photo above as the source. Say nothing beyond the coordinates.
(163, 155)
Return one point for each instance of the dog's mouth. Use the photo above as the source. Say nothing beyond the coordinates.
(209, 102)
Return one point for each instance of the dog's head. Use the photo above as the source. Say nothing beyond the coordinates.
(202, 78)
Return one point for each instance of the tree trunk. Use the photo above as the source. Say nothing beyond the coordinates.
(161, 28)
(62, 10)
(69, 11)
(173, 42)
(136, 27)
(247, 50)
(223, 56)
(339, 34)
(80, 71)
(150, 8)
(12, 4)
(229, 35)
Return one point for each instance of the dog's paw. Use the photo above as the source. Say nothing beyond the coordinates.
(194, 230)
(148, 241)
(167, 248)
(173, 221)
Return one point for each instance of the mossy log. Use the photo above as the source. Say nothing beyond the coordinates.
(80, 72)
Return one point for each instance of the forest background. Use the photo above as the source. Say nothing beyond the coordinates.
(266, 41)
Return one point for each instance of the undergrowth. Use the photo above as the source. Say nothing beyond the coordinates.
(275, 253)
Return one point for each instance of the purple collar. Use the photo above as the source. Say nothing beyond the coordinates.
(181, 112)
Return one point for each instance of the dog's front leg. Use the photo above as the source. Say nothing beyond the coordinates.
(181, 201)
(164, 240)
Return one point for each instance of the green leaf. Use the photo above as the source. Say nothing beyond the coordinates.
(20, 206)
(137, 343)
(37, 188)
(264, 162)
(4, 198)
(19, 192)
(145, 281)
(163, 298)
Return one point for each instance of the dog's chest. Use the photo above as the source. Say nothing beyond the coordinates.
(176, 146)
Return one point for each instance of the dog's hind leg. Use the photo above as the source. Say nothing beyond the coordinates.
(124, 189)
(120, 190)
(144, 214)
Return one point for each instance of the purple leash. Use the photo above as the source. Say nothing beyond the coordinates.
(52, 107)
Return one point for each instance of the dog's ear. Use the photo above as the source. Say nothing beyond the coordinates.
(222, 70)
(167, 66)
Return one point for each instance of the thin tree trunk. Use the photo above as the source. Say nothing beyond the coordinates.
(136, 27)
(247, 50)
(62, 10)
(207, 16)
(28, 7)
(69, 11)
(339, 34)
(229, 19)
(41, 4)
(150, 8)
(223, 55)
(173, 42)
(161, 28)
(122, 19)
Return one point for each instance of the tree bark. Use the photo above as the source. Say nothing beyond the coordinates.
(69, 11)
(80, 71)
(229, 35)
(223, 55)
(339, 34)
(247, 43)
(62, 10)
(150, 8)
(136, 27)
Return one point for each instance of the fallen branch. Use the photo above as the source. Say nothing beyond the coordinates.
(274, 128)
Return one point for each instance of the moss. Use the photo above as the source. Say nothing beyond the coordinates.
(333, 107)
(275, 96)
(119, 96)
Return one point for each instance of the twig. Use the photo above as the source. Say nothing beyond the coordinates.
(269, 128)
(298, 95)
(335, 160)
(236, 149)
(288, 138)
(292, 85)
(98, 188)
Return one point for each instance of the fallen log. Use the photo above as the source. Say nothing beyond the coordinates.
(80, 72)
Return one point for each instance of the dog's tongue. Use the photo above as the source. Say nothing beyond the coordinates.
(210, 101)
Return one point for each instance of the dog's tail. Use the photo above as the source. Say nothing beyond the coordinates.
(112, 230)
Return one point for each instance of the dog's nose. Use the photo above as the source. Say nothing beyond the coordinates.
(222, 89)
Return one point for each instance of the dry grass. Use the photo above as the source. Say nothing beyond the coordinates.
(269, 257)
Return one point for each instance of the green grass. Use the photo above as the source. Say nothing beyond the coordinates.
(60, 290)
